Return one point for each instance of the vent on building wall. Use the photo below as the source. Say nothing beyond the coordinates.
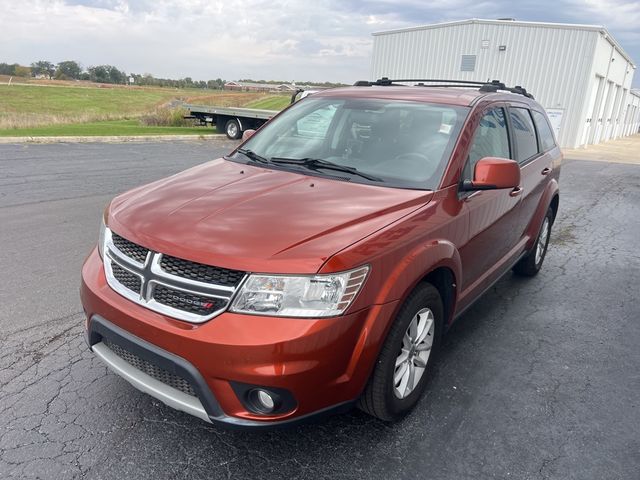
(468, 63)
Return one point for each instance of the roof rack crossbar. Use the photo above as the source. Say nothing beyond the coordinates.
(387, 81)
(488, 86)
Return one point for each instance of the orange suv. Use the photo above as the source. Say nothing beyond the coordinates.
(318, 265)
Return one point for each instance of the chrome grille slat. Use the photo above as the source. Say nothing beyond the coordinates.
(185, 290)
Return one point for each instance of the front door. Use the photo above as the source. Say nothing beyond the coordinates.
(493, 214)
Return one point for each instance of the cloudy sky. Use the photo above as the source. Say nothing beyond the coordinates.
(318, 40)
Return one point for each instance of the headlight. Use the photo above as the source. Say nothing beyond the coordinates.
(299, 296)
(102, 238)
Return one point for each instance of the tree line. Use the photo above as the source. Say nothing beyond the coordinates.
(71, 70)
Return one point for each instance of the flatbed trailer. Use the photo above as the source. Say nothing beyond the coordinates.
(230, 120)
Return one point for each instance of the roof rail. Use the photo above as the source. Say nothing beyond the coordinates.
(488, 86)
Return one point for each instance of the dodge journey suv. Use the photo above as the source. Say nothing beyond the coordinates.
(317, 266)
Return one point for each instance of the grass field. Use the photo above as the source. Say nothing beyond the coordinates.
(67, 109)
(28, 106)
(275, 102)
(103, 128)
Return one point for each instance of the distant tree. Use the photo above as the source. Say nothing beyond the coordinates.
(107, 74)
(98, 74)
(117, 76)
(21, 71)
(43, 67)
(68, 69)
(8, 69)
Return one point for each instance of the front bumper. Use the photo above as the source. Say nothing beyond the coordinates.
(323, 363)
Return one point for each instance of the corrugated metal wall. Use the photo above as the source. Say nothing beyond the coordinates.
(555, 64)
(632, 114)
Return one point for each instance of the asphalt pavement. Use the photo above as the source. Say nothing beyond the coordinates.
(539, 380)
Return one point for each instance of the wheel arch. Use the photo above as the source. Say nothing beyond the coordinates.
(444, 280)
(438, 263)
(550, 199)
(555, 204)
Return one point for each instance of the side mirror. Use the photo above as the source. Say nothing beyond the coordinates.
(494, 173)
(247, 134)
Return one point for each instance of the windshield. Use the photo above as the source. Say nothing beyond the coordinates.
(382, 142)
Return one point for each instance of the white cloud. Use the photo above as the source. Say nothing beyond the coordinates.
(275, 39)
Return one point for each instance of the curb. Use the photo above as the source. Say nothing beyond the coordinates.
(111, 139)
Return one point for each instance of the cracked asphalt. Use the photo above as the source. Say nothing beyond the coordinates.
(539, 380)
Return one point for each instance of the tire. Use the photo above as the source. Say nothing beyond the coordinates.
(232, 129)
(381, 397)
(530, 265)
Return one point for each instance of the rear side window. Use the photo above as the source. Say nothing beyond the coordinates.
(490, 140)
(524, 134)
(547, 142)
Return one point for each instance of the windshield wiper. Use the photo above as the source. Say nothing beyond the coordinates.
(318, 163)
(251, 155)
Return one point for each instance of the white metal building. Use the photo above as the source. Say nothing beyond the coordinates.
(632, 117)
(578, 73)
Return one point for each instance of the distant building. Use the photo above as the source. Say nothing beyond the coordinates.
(266, 87)
(579, 73)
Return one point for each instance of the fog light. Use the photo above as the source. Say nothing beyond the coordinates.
(263, 400)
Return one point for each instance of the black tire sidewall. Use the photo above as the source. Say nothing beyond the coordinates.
(549, 217)
(427, 296)
(226, 129)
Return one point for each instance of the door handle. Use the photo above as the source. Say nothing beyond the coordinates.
(515, 192)
(546, 171)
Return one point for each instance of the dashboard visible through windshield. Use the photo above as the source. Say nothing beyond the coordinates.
(374, 141)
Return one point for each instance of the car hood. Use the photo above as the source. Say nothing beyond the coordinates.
(255, 219)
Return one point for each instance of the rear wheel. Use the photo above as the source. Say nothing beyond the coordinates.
(401, 372)
(232, 129)
(531, 264)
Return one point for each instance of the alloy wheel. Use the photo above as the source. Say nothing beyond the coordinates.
(542, 240)
(414, 354)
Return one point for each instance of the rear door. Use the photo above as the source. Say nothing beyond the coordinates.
(493, 214)
(533, 140)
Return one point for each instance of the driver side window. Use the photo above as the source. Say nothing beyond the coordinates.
(490, 140)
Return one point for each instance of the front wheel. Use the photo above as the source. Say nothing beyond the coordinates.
(232, 129)
(532, 263)
(400, 374)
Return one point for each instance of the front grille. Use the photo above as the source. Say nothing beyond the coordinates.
(200, 272)
(197, 304)
(158, 282)
(130, 249)
(126, 278)
(160, 374)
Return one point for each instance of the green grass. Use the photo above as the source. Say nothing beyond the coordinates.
(276, 102)
(105, 128)
(60, 110)
(76, 103)
(23, 106)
